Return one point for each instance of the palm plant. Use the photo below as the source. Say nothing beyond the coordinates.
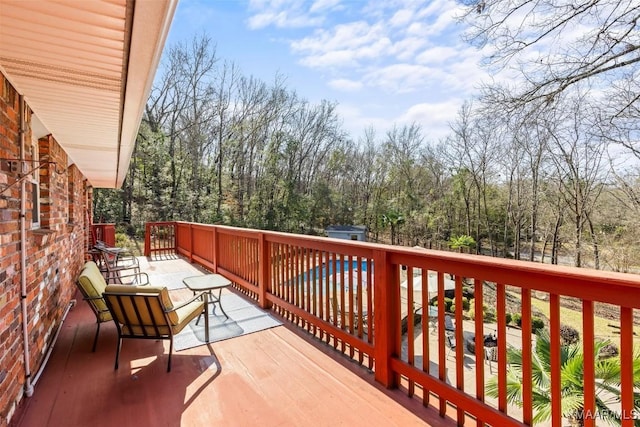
(463, 241)
(394, 220)
(607, 374)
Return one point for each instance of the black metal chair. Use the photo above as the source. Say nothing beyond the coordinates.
(92, 284)
(114, 262)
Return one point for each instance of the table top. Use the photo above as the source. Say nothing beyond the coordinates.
(206, 282)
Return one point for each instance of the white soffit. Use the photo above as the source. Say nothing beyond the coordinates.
(85, 68)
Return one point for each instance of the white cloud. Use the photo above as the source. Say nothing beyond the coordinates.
(441, 23)
(345, 85)
(465, 74)
(405, 50)
(437, 55)
(439, 7)
(392, 53)
(282, 19)
(356, 120)
(286, 13)
(335, 58)
(320, 5)
(401, 78)
(401, 18)
(434, 118)
(350, 35)
(344, 45)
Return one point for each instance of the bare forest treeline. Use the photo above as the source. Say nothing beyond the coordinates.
(547, 171)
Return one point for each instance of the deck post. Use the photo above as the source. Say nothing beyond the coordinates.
(216, 253)
(263, 271)
(147, 239)
(190, 242)
(386, 317)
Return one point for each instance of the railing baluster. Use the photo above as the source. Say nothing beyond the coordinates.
(527, 397)
(342, 300)
(442, 360)
(314, 287)
(334, 298)
(627, 385)
(426, 360)
(369, 297)
(588, 351)
(307, 286)
(352, 319)
(556, 385)
(479, 340)
(459, 350)
(410, 332)
(502, 345)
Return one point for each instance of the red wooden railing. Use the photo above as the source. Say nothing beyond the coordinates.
(104, 232)
(159, 239)
(300, 278)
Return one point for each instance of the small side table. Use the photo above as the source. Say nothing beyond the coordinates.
(208, 283)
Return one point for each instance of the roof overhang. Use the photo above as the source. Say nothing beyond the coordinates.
(86, 68)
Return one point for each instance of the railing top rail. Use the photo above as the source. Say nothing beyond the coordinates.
(596, 285)
(156, 223)
(267, 271)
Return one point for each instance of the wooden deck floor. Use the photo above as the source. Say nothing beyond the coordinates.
(276, 377)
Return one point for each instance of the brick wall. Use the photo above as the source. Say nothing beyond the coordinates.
(55, 251)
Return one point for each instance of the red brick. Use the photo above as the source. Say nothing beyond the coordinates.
(62, 251)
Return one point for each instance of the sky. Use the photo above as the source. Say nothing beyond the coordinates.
(384, 62)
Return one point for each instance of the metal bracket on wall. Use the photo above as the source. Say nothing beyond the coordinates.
(12, 165)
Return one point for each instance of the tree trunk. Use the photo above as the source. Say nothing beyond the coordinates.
(578, 244)
(596, 251)
(556, 241)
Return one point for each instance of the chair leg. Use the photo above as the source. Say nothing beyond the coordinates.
(95, 339)
(170, 352)
(118, 351)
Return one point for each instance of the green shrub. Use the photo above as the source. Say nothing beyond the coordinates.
(489, 315)
(447, 304)
(508, 318)
(517, 319)
(463, 241)
(569, 335)
(537, 324)
(452, 309)
(608, 351)
(471, 313)
(465, 304)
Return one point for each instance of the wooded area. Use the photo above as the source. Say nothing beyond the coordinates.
(548, 164)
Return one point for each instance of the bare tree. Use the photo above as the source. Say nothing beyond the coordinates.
(225, 87)
(178, 108)
(475, 142)
(557, 44)
(578, 157)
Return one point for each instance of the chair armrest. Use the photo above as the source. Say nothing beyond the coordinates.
(183, 303)
(116, 255)
(114, 268)
(137, 275)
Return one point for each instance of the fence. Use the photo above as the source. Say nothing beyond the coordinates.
(372, 301)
